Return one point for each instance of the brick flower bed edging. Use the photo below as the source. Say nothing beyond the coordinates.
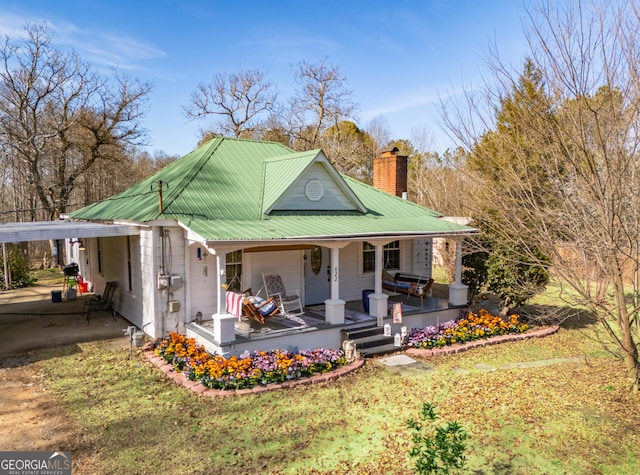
(198, 388)
(460, 347)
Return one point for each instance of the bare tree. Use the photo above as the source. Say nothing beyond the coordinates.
(350, 149)
(378, 129)
(435, 181)
(558, 164)
(58, 117)
(321, 102)
(243, 101)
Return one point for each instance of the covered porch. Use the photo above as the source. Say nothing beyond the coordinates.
(348, 268)
(313, 330)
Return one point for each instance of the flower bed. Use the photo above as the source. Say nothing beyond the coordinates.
(247, 370)
(473, 327)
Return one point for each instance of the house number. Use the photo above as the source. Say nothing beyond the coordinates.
(335, 274)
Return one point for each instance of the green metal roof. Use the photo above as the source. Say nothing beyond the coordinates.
(222, 179)
(223, 190)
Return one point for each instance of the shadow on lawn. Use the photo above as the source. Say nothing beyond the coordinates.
(497, 468)
(26, 358)
(565, 316)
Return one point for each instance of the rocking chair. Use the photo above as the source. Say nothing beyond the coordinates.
(274, 287)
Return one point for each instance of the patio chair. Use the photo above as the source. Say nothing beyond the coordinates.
(275, 288)
(102, 302)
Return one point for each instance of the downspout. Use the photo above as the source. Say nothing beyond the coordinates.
(163, 309)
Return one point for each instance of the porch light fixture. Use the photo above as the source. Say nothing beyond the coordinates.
(81, 246)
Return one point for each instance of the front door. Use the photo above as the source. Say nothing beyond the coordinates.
(316, 275)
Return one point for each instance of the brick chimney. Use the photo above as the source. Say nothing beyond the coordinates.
(390, 172)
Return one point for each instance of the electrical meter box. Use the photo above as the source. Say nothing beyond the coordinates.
(175, 283)
(163, 281)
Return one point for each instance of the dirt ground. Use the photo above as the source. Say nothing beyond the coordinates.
(30, 320)
(27, 412)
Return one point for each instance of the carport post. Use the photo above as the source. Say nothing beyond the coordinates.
(6, 267)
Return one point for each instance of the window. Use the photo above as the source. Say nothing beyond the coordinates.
(234, 270)
(316, 260)
(100, 270)
(391, 257)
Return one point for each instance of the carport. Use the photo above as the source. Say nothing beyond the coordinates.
(29, 319)
(57, 230)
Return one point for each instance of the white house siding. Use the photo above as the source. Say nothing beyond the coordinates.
(414, 258)
(201, 283)
(104, 260)
(109, 269)
(288, 264)
(113, 257)
(422, 257)
(333, 197)
(174, 266)
(352, 280)
(132, 294)
(149, 306)
(148, 323)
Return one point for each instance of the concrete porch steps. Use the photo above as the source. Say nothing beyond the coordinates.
(370, 341)
(363, 332)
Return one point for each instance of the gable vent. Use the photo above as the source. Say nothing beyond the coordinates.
(314, 190)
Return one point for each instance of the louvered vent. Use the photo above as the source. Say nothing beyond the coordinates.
(314, 190)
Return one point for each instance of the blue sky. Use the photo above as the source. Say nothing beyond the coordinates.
(399, 56)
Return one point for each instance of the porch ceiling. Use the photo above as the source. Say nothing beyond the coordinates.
(45, 230)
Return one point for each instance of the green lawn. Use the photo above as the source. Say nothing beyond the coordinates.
(48, 276)
(572, 418)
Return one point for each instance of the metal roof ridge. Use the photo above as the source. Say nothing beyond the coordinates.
(293, 156)
(244, 139)
(207, 154)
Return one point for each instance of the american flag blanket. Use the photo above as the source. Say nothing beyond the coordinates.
(234, 303)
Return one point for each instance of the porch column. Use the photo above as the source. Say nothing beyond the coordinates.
(458, 291)
(223, 322)
(334, 307)
(378, 299)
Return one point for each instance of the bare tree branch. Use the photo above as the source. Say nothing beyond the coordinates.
(557, 159)
(242, 100)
